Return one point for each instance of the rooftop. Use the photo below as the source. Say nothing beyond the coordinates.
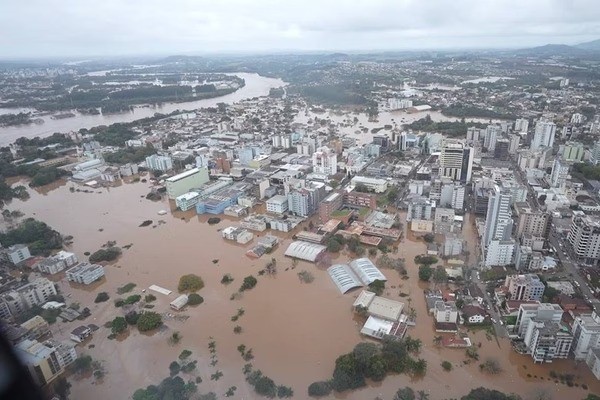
(183, 175)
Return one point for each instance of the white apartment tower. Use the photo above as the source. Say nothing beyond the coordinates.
(584, 238)
(492, 133)
(456, 161)
(544, 134)
(521, 125)
(498, 221)
(324, 161)
(560, 174)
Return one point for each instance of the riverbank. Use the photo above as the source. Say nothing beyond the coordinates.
(255, 86)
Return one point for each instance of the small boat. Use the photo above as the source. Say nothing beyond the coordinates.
(162, 212)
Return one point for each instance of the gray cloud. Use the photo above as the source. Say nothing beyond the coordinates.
(121, 27)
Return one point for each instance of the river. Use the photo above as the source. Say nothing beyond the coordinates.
(256, 86)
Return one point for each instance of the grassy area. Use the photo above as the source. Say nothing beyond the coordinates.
(510, 320)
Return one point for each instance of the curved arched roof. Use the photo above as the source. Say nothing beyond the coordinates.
(367, 271)
(305, 250)
(343, 277)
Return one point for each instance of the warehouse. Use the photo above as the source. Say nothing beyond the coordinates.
(305, 251)
(343, 277)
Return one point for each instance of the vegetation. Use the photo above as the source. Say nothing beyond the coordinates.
(227, 279)
(132, 317)
(184, 354)
(374, 361)
(321, 388)
(440, 275)
(482, 393)
(134, 298)
(214, 220)
(426, 260)
(44, 176)
(148, 321)
(456, 128)
(249, 283)
(491, 366)
(169, 389)
(109, 254)
(387, 262)
(101, 297)
(129, 155)
(425, 272)
(306, 276)
(406, 393)
(114, 135)
(460, 110)
(190, 283)
(194, 299)
(39, 237)
(126, 288)
(377, 287)
(82, 364)
(333, 245)
(265, 386)
(149, 298)
(447, 365)
(118, 325)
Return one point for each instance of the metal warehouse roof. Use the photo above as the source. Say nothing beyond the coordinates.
(367, 271)
(304, 250)
(343, 277)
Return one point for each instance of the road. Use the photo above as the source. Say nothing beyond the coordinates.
(499, 329)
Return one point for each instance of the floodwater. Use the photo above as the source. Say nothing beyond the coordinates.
(296, 330)
(347, 125)
(256, 86)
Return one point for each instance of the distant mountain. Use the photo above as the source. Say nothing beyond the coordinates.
(594, 45)
(554, 50)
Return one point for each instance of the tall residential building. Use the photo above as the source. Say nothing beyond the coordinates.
(531, 222)
(547, 340)
(245, 155)
(540, 312)
(525, 287)
(584, 238)
(329, 205)
(35, 293)
(498, 220)
(501, 151)
(473, 134)
(456, 161)
(324, 161)
(85, 273)
(159, 163)
(492, 134)
(586, 334)
(305, 201)
(41, 360)
(186, 181)
(500, 253)
(560, 174)
(544, 135)
(521, 125)
(595, 156)
(513, 145)
(573, 151)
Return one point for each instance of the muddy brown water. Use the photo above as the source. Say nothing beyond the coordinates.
(296, 330)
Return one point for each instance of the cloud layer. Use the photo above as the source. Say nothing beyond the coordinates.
(127, 27)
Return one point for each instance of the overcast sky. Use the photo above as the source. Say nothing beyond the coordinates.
(76, 28)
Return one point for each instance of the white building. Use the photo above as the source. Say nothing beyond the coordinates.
(373, 184)
(456, 160)
(186, 181)
(498, 220)
(492, 133)
(187, 200)
(544, 135)
(584, 238)
(521, 125)
(499, 253)
(179, 302)
(586, 334)
(445, 312)
(240, 235)
(85, 273)
(56, 263)
(35, 293)
(560, 174)
(17, 253)
(41, 360)
(538, 311)
(593, 361)
(324, 161)
(420, 208)
(526, 287)
(159, 163)
(595, 156)
(277, 204)
(547, 340)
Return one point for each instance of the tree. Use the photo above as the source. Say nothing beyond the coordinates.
(419, 367)
(62, 388)
(118, 325)
(460, 303)
(550, 294)
(248, 283)
(101, 297)
(149, 320)
(377, 368)
(82, 364)
(195, 299)
(440, 275)
(174, 368)
(413, 345)
(406, 393)
(491, 366)
(284, 391)
(364, 351)
(190, 283)
(437, 340)
(447, 365)
(425, 273)
(109, 254)
(265, 387)
(482, 393)
(321, 388)
(333, 246)
(347, 374)
(377, 287)
(429, 237)
(421, 395)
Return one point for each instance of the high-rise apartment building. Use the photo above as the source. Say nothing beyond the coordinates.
(531, 222)
(324, 161)
(498, 220)
(456, 161)
(584, 238)
(560, 174)
(159, 163)
(586, 334)
(525, 287)
(521, 125)
(544, 135)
